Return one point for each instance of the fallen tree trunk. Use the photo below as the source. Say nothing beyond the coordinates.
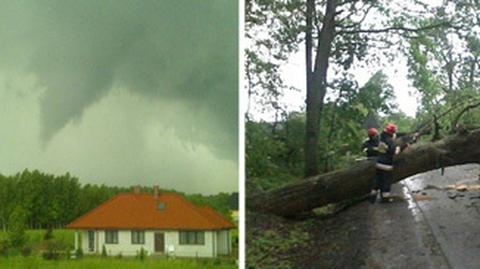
(356, 180)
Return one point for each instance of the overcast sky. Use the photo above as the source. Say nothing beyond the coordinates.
(121, 92)
(406, 96)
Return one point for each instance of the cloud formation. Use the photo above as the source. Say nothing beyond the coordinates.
(102, 82)
(182, 51)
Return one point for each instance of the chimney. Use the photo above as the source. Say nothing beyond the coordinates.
(136, 189)
(155, 191)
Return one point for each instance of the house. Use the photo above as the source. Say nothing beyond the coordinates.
(162, 223)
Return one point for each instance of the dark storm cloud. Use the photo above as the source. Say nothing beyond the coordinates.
(180, 51)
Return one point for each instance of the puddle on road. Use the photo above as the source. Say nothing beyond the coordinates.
(460, 181)
(412, 205)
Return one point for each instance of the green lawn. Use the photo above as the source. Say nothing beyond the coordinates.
(113, 263)
(35, 237)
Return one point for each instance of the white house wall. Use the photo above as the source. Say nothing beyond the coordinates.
(125, 245)
(83, 237)
(126, 248)
(206, 250)
(223, 242)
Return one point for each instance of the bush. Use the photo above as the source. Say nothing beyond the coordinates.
(119, 255)
(48, 234)
(142, 254)
(79, 253)
(53, 249)
(217, 261)
(51, 255)
(26, 250)
(4, 248)
(104, 252)
(68, 253)
(16, 227)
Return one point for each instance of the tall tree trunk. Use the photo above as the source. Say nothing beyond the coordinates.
(249, 86)
(471, 79)
(356, 181)
(317, 88)
(309, 41)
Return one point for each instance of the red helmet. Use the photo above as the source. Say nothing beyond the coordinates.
(390, 128)
(372, 132)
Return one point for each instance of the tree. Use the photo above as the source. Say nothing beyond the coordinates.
(355, 181)
(4, 201)
(17, 226)
(443, 65)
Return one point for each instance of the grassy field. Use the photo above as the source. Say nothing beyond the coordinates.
(107, 263)
(35, 237)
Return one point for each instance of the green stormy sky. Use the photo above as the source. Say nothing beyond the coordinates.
(121, 92)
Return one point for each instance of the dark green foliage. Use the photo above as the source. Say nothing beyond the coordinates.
(79, 253)
(26, 250)
(48, 234)
(104, 252)
(68, 253)
(142, 254)
(119, 256)
(54, 249)
(220, 201)
(4, 247)
(16, 227)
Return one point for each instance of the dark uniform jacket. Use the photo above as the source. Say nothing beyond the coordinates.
(386, 149)
(370, 146)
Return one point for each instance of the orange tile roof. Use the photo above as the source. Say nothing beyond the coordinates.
(139, 211)
(214, 215)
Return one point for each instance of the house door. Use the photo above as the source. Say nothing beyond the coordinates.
(91, 241)
(159, 242)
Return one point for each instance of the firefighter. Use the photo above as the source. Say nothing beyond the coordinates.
(384, 165)
(370, 146)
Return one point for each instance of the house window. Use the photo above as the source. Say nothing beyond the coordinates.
(138, 237)
(161, 206)
(192, 237)
(111, 237)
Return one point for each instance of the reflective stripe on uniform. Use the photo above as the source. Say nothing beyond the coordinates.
(384, 167)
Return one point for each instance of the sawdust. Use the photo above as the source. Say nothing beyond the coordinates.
(422, 197)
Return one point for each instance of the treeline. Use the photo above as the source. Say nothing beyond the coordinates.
(52, 201)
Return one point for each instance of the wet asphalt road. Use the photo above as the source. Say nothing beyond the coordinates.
(450, 213)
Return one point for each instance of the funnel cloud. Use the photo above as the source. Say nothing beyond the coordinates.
(122, 92)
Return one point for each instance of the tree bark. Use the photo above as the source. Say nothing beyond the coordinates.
(309, 41)
(356, 180)
(461, 113)
(317, 88)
